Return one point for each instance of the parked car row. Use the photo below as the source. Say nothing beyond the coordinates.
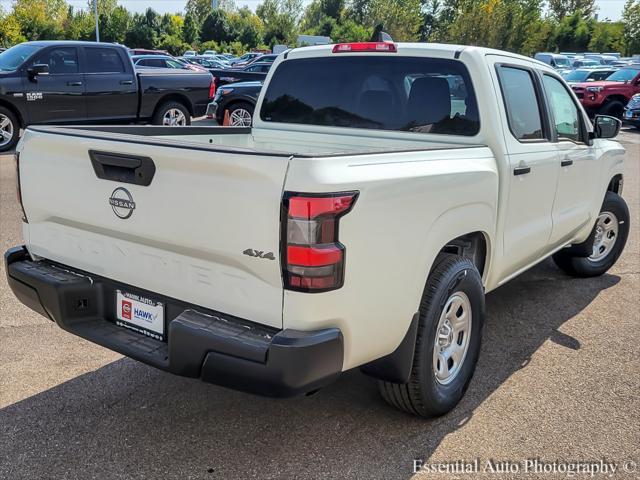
(66, 82)
(566, 61)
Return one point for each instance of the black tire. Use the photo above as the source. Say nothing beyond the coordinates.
(246, 106)
(571, 262)
(613, 108)
(6, 114)
(424, 395)
(158, 116)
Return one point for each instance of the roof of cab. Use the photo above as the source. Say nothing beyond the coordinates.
(48, 43)
(439, 49)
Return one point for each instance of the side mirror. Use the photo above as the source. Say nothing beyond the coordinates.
(38, 69)
(606, 126)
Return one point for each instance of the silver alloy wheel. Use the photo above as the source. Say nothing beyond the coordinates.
(240, 118)
(606, 236)
(174, 118)
(452, 338)
(6, 130)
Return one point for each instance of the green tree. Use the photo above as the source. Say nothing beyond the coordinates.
(607, 37)
(144, 30)
(631, 22)
(280, 19)
(573, 33)
(198, 9)
(562, 8)
(216, 27)
(79, 25)
(10, 31)
(190, 29)
(246, 27)
(401, 18)
(173, 44)
(41, 19)
(114, 25)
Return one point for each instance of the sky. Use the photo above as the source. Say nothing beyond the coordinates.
(611, 9)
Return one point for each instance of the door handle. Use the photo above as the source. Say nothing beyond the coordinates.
(74, 84)
(566, 162)
(126, 82)
(521, 170)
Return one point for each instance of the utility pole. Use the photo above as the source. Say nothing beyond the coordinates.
(95, 12)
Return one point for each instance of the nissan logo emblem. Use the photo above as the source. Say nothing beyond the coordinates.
(122, 203)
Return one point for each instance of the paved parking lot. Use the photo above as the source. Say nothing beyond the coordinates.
(558, 380)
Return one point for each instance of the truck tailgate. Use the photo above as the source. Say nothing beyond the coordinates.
(188, 233)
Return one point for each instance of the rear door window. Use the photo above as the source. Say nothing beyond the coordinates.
(103, 60)
(422, 95)
(521, 103)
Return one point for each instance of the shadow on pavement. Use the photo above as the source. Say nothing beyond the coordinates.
(126, 420)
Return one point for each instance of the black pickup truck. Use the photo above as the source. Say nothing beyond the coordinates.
(61, 82)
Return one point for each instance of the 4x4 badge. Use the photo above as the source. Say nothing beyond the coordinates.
(258, 254)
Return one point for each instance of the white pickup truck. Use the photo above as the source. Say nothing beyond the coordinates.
(381, 192)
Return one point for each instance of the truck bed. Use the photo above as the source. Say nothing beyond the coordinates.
(257, 141)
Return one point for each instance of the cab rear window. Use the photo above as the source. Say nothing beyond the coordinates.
(423, 95)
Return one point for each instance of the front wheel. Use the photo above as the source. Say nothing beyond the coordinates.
(9, 129)
(604, 245)
(448, 341)
(613, 108)
(172, 114)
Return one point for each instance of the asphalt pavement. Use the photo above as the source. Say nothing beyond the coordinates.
(558, 380)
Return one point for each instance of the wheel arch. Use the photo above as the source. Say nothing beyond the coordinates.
(174, 97)
(616, 97)
(465, 231)
(15, 110)
(615, 184)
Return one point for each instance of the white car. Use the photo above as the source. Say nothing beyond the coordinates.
(209, 53)
(382, 191)
(190, 53)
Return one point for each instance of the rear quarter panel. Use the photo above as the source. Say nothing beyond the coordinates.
(409, 206)
(192, 88)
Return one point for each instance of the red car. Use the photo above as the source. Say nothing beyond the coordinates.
(608, 97)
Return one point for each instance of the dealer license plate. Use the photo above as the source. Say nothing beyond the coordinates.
(140, 314)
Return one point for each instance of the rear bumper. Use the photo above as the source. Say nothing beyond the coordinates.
(217, 348)
(213, 112)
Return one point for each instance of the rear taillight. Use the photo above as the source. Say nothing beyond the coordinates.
(382, 47)
(313, 259)
(212, 88)
(18, 188)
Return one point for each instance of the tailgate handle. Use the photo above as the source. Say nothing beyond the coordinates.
(123, 168)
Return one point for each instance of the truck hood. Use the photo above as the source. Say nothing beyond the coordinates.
(601, 83)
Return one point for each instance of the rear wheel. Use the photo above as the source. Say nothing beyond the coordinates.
(241, 114)
(604, 245)
(9, 129)
(448, 341)
(172, 114)
(614, 108)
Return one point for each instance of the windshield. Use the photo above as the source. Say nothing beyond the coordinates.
(15, 56)
(423, 95)
(562, 62)
(576, 76)
(624, 75)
